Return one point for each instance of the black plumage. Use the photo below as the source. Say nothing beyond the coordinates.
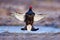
(29, 19)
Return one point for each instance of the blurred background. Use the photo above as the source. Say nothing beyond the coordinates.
(49, 7)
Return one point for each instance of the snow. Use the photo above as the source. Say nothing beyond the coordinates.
(17, 29)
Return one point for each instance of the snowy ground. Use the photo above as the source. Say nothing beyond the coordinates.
(15, 33)
(17, 29)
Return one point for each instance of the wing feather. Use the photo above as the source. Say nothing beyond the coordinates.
(20, 17)
(38, 17)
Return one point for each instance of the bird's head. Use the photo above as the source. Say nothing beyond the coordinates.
(30, 7)
(30, 10)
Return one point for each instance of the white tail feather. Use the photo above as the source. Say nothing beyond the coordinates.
(29, 27)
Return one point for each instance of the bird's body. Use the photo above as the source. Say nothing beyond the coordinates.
(29, 19)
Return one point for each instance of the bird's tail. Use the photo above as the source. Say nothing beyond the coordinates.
(29, 27)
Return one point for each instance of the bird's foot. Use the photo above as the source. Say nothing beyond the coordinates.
(23, 28)
(34, 29)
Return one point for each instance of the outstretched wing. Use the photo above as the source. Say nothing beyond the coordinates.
(19, 16)
(38, 17)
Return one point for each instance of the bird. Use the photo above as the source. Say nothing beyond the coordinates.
(29, 18)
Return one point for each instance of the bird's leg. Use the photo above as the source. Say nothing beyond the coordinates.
(32, 25)
(25, 28)
(33, 28)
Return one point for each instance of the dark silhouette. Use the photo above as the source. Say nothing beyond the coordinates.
(29, 19)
